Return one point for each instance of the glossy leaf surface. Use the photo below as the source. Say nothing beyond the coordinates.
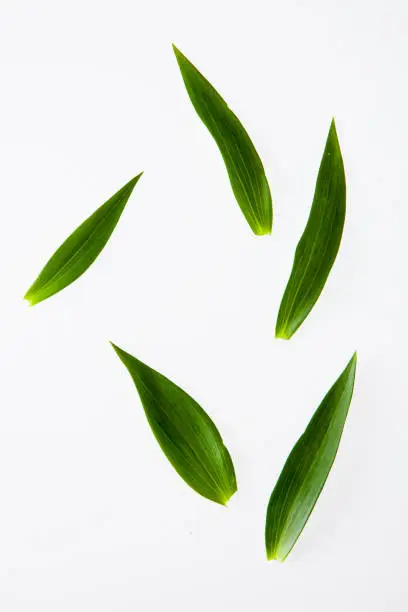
(81, 248)
(307, 468)
(319, 244)
(186, 434)
(244, 167)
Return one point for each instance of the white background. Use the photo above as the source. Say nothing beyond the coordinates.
(92, 516)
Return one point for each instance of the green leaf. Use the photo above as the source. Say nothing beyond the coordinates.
(244, 167)
(307, 468)
(186, 434)
(81, 248)
(319, 244)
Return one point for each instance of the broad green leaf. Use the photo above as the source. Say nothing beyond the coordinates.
(186, 434)
(244, 167)
(81, 248)
(307, 468)
(319, 244)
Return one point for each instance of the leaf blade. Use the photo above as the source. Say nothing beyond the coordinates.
(81, 248)
(184, 431)
(319, 244)
(244, 166)
(307, 468)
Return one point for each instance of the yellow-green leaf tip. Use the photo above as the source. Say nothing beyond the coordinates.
(272, 556)
(227, 497)
(263, 231)
(30, 301)
(282, 334)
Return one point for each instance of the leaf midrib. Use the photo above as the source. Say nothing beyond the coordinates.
(312, 465)
(212, 480)
(61, 272)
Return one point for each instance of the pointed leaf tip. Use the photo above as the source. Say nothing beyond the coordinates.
(113, 345)
(28, 299)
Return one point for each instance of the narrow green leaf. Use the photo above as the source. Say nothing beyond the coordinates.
(307, 468)
(319, 244)
(244, 167)
(81, 248)
(186, 434)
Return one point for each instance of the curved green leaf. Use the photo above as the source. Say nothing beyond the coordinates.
(319, 244)
(244, 167)
(307, 468)
(186, 434)
(81, 248)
